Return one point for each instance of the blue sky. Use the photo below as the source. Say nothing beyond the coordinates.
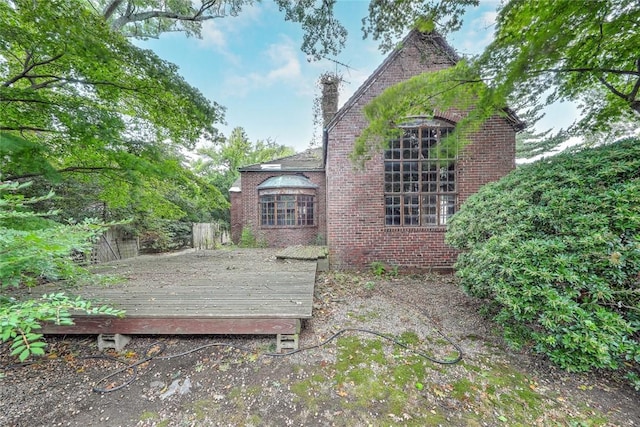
(252, 65)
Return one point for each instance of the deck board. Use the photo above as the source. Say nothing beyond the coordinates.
(198, 293)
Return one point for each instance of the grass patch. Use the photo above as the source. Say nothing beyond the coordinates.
(365, 316)
(147, 415)
(369, 376)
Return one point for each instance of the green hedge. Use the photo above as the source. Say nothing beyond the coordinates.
(554, 249)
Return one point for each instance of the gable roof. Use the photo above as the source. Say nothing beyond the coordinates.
(306, 161)
(434, 37)
(437, 40)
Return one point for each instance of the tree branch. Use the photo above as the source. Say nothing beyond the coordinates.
(110, 8)
(634, 92)
(52, 80)
(25, 128)
(612, 88)
(76, 169)
(27, 100)
(56, 79)
(197, 16)
(587, 70)
(100, 83)
(27, 68)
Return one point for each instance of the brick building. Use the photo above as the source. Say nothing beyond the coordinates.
(394, 209)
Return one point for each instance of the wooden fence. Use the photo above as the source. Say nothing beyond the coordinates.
(115, 244)
(209, 235)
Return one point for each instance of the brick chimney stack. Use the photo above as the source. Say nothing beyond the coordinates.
(329, 102)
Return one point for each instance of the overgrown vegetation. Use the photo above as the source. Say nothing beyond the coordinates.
(380, 269)
(35, 250)
(377, 385)
(554, 249)
(249, 240)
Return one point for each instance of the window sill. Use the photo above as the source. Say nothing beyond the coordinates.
(409, 229)
(271, 227)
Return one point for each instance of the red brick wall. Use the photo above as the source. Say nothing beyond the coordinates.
(235, 197)
(281, 236)
(356, 231)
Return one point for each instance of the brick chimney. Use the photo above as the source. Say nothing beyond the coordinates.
(329, 102)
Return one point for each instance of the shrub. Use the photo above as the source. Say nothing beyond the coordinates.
(380, 269)
(554, 249)
(249, 240)
(32, 251)
(165, 236)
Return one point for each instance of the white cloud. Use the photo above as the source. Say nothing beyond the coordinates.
(217, 32)
(237, 86)
(286, 58)
(280, 64)
(477, 31)
(213, 35)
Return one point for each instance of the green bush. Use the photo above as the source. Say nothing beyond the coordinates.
(554, 249)
(34, 250)
(165, 236)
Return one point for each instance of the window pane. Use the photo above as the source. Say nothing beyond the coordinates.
(410, 144)
(411, 210)
(286, 210)
(410, 177)
(267, 210)
(428, 140)
(429, 210)
(305, 210)
(394, 150)
(447, 207)
(429, 176)
(392, 177)
(392, 210)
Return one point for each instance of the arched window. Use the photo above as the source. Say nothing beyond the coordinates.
(420, 181)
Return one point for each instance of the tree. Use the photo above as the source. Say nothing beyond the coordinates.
(543, 52)
(92, 108)
(323, 34)
(389, 20)
(70, 85)
(219, 162)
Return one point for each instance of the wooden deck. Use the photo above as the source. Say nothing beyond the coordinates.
(245, 291)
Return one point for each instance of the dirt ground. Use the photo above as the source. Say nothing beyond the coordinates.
(357, 378)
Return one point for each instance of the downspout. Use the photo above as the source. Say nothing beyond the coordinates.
(325, 144)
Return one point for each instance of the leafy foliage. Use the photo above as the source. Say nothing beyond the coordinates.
(566, 50)
(323, 34)
(67, 79)
(543, 52)
(98, 120)
(388, 21)
(457, 87)
(33, 251)
(554, 248)
(20, 320)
